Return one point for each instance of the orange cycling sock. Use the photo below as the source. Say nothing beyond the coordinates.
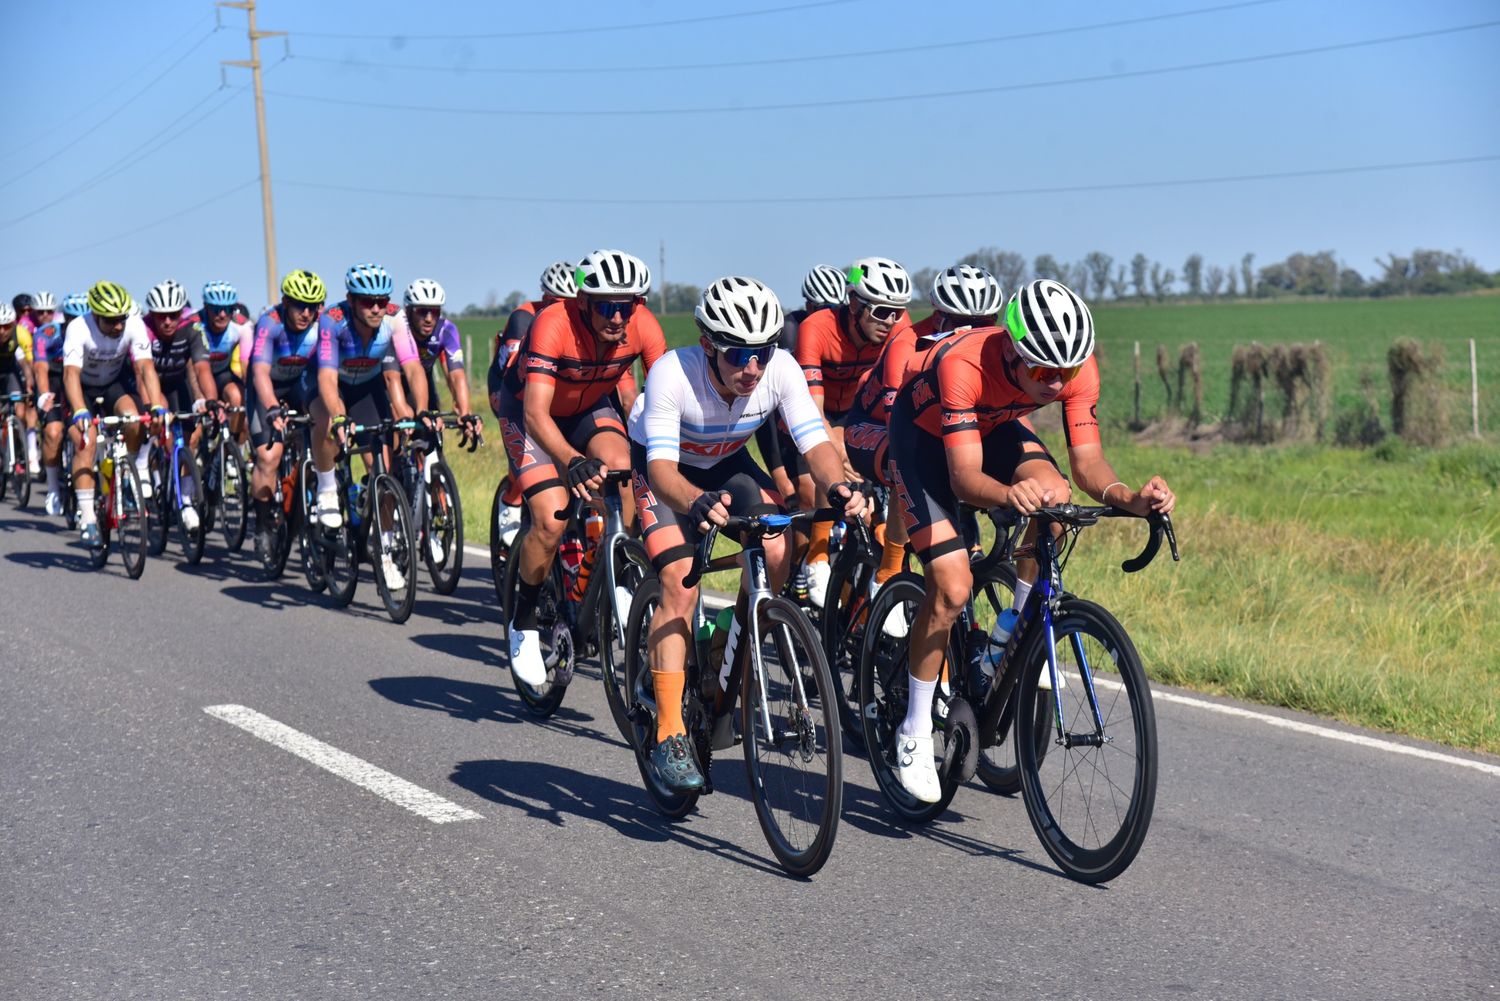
(892, 559)
(817, 546)
(669, 686)
(880, 533)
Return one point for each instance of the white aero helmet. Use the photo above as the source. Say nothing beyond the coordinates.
(964, 290)
(739, 313)
(612, 272)
(44, 302)
(7, 313)
(425, 292)
(825, 286)
(557, 280)
(880, 281)
(168, 297)
(1051, 326)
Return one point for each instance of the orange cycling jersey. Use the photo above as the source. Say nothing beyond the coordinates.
(878, 387)
(962, 390)
(831, 361)
(563, 352)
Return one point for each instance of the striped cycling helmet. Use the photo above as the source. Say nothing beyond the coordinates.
(1050, 325)
(110, 299)
(75, 304)
(557, 280)
(825, 286)
(304, 286)
(881, 281)
(168, 297)
(425, 292)
(964, 290)
(612, 272)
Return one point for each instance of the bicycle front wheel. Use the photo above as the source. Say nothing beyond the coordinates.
(631, 566)
(558, 650)
(131, 523)
(1090, 799)
(443, 530)
(499, 551)
(393, 550)
(846, 612)
(642, 695)
(157, 507)
(234, 495)
(192, 539)
(792, 740)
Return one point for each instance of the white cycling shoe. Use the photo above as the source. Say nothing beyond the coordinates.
(329, 515)
(508, 521)
(895, 625)
(54, 504)
(526, 656)
(817, 581)
(394, 579)
(916, 768)
(189, 518)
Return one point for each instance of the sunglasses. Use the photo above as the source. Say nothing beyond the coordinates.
(422, 312)
(1041, 373)
(885, 314)
(740, 357)
(609, 310)
(304, 307)
(217, 310)
(372, 301)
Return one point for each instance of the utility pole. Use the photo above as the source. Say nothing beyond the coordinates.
(248, 6)
(661, 278)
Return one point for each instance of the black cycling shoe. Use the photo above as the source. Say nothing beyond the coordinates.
(265, 542)
(673, 763)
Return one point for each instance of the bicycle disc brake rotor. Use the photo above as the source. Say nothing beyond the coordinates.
(560, 660)
(960, 742)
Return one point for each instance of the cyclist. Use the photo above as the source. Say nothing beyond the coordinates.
(837, 346)
(362, 356)
(557, 284)
(15, 376)
(96, 347)
(228, 341)
(177, 348)
(687, 440)
(568, 428)
(962, 297)
(956, 434)
(437, 341)
(41, 311)
(47, 372)
(286, 342)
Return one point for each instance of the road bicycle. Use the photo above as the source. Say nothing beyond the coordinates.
(120, 509)
(226, 480)
(437, 509)
(175, 483)
(1069, 690)
(789, 730)
(15, 476)
(376, 523)
(584, 601)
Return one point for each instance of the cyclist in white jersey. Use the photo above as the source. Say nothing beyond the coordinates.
(688, 433)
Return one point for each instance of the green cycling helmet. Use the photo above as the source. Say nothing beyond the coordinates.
(110, 300)
(304, 286)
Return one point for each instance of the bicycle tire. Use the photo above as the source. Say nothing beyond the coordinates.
(134, 521)
(157, 507)
(443, 518)
(843, 627)
(642, 732)
(315, 568)
(883, 672)
(234, 496)
(558, 648)
(21, 474)
(998, 768)
(499, 551)
(631, 566)
(192, 540)
(392, 534)
(99, 555)
(7, 466)
(1052, 787)
(781, 801)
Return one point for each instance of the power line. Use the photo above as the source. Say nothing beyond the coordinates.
(139, 229)
(107, 92)
(44, 161)
(555, 112)
(907, 197)
(784, 60)
(581, 29)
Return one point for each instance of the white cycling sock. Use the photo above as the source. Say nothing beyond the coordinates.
(918, 722)
(188, 486)
(327, 482)
(54, 477)
(31, 451)
(86, 514)
(143, 459)
(1023, 591)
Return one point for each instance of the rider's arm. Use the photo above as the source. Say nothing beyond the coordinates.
(327, 356)
(73, 343)
(260, 375)
(73, 387)
(454, 363)
(206, 387)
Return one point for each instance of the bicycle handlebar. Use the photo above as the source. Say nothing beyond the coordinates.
(759, 526)
(1082, 516)
(576, 504)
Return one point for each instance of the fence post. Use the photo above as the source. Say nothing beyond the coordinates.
(1474, 385)
(1137, 383)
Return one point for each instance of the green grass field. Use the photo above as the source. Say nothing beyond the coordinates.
(1362, 585)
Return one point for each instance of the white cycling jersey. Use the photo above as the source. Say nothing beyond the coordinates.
(102, 358)
(682, 418)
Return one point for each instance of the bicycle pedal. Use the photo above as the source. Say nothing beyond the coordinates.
(638, 714)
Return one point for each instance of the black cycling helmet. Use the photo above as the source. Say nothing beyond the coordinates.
(21, 303)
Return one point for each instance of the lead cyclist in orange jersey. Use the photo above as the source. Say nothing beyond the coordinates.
(835, 347)
(567, 429)
(957, 435)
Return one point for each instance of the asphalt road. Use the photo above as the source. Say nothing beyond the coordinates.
(149, 849)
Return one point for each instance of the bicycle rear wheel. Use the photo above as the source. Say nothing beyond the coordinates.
(157, 506)
(339, 546)
(192, 539)
(642, 693)
(20, 472)
(104, 516)
(1090, 803)
(131, 527)
(393, 549)
(631, 566)
(443, 530)
(883, 683)
(796, 768)
(558, 649)
(499, 551)
(234, 495)
(845, 615)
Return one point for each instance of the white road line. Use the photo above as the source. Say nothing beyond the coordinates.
(346, 766)
(715, 601)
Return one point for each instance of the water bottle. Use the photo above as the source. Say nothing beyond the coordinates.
(571, 552)
(835, 536)
(1005, 624)
(356, 491)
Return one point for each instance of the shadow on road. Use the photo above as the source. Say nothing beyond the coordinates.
(76, 561)
(478, 703)
(554, 793)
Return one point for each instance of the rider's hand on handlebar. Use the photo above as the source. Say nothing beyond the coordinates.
(1028, 496)
(710, 509)
(1155, 496)
(585, 475)
(848, 497)
(473, 427)
(338, 430)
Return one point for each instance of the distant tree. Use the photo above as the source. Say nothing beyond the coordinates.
(1138, 265)
(1247, 274)
(1117, 284)
(472, 309)
(1078, 279)
(1099, 264)
(921, 283)
(1192, 274)
(1429, 272)
(1161, 281)
(1008, 267)
(1046, 266)
(491, 302)
(509, 303)
(1215, 280)
(1351, 282)
(1233, 289)
(681, 298)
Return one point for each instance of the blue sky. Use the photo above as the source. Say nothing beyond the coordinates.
(609, 173)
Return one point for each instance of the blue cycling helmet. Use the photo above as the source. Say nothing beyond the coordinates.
(368, 279)
(75, 304)
(220, 294)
